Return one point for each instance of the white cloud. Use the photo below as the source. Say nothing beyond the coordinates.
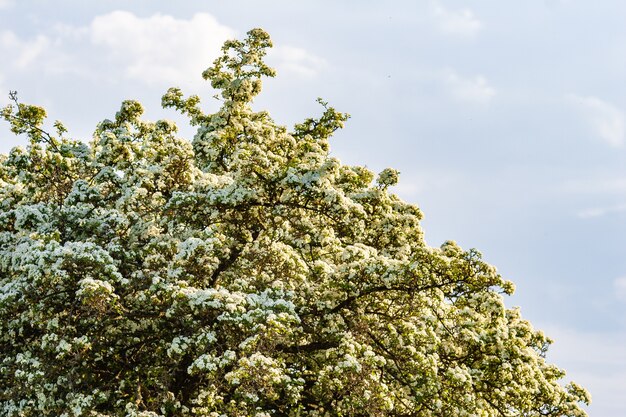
(22, 53)
(608, 347)
(297, 61)
(5, 4)
(407, 190)
(463, 22)
(606, 120)
(4, 92)
(468, 89)
(596, 186)
(555, 3)
(601, 211)
(160, 48)
(619, 284)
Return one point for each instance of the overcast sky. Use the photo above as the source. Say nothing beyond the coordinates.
(506, 120)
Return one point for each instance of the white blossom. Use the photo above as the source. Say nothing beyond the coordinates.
(245, 273)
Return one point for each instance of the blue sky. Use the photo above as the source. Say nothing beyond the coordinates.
(507, 121)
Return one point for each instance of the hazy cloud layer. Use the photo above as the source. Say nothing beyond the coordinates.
(592, 354)
(606, 120)
(472, 89)
(289, 59)
(620, 288)
(609, 186)
(460, 22)
(602, 211)
(21, 53)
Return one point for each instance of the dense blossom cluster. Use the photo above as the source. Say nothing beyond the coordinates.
(246, 273)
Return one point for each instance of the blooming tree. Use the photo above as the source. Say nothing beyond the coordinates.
(245, 273)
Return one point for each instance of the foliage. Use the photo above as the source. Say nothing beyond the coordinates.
(246, 273)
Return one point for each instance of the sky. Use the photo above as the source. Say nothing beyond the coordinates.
(506, 120)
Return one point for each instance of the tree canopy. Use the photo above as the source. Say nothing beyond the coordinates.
(244, 273)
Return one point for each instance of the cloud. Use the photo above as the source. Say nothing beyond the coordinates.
(407, 190)
(159, 48)
(5, 4)
(4, 92)
(596, 186)
(22, 53)
(555, 3)
(601, 211)
(468, 89)
(597, 361)
(297, 61)
(607, 121)
(619, 284)
(461, 22)
(162, 48)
